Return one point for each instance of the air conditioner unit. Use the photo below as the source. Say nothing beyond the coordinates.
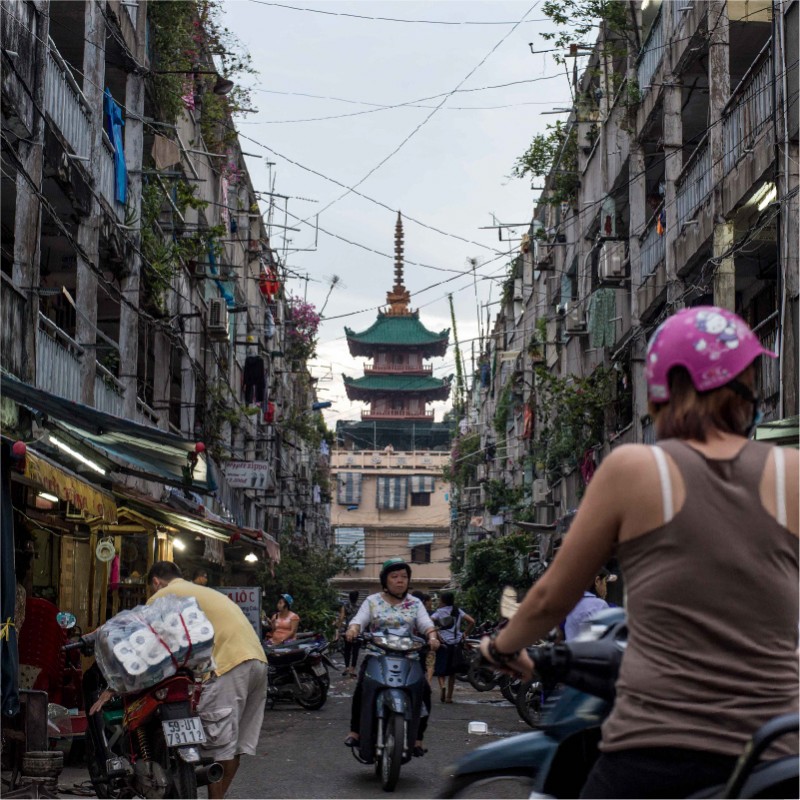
(612, 261)
(218, 318)
(575, 320)
(480, 472)
(540, 490)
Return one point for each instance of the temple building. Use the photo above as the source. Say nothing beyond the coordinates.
(390, 498)
(398, 384)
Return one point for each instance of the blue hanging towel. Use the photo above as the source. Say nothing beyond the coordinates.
(114, 123)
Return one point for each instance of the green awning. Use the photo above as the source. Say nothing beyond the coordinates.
(784, 432)
(114, 443)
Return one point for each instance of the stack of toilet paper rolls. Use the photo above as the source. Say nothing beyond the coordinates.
(139, 648)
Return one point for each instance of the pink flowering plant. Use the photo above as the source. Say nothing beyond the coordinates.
(302, 324)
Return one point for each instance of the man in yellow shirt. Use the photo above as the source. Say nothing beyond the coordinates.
(232, 703)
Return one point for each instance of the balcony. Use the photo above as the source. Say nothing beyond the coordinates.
(12, 317)
(653, 246)
(58, 361)
(748, 111)
(694, 183)
(65, 104)
(105, 177)
(651, 54)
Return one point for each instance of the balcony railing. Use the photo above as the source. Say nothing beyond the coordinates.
(651, 54)
(397, 369)
(12, 315)
(694, 183)
(66, 105)
(106, 178)
(109, 393)
(748, 110)
(423, 415)
(380, 459)
(769, 378)
(653, 247)
(58, 361)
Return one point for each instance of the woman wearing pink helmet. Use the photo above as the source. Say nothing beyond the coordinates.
(705, 528)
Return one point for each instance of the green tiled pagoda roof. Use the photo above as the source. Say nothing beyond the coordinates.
(367, 387)
(397, 383)
(398, 331)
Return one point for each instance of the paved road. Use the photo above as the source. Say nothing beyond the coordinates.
(301, 755)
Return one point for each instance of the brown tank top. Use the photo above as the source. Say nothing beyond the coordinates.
(712, 600)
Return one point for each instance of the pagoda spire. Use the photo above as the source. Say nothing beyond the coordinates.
(399, 298)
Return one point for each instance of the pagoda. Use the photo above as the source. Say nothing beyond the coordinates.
(398, 384)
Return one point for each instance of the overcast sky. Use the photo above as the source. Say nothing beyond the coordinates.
(452, 173)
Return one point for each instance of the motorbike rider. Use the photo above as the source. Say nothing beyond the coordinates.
(390, 607)
(705, 528)
(284, 621)
(593, 600)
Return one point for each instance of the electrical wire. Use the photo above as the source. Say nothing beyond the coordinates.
(388, 19)
(429, 116)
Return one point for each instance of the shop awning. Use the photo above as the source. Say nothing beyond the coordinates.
(65, 485)
(115, 443)
(225, 532)
(784, 432)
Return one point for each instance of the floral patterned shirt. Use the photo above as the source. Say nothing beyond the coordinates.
(376, 614)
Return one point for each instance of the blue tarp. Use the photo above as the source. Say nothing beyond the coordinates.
(113, 125)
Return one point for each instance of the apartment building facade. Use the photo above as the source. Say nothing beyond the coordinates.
(676, 185)
(146, 323)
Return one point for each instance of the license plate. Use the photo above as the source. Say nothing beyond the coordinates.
(180, 732)
(318, 669)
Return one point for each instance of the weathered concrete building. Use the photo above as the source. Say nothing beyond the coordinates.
(676, 184)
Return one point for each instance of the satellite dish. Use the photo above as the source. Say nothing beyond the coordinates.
(105, 549)
(508, 602)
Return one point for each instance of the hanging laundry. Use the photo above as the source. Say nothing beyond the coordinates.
(486, 375)
(269, 413)
(165, 152)
(113, 127)
(187, 93)
(661, 223)
(269, 325)
(254, 379)
(324, 449)
(316, 494)
(601, 313)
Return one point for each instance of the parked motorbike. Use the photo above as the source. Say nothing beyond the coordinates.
(391, 706)
(556, 760)
(145, 743)
(298, 672)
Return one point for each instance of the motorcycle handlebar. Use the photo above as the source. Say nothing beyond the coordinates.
(84, 643)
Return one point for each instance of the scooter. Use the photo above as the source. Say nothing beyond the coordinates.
(145, 743)
(391, 705)
(298, 672)
(556, 760)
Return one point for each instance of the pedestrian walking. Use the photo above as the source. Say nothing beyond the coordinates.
(450, 658)
(347, 611)
(593, 601)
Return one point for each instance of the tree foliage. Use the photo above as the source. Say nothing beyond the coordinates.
(554, 151)
(489, 566)
(305, 573)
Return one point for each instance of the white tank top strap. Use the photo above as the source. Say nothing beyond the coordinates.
(780, 486)
(666, 483)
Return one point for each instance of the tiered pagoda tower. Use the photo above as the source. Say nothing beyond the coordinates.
(398, 384)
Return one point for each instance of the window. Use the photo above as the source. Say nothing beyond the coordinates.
(420, 499)
(421, 554)
(351, 542)
(420, 545)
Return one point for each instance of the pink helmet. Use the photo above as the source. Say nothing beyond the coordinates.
(713, 344)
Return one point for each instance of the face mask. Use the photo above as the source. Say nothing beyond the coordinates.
(753, 398)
